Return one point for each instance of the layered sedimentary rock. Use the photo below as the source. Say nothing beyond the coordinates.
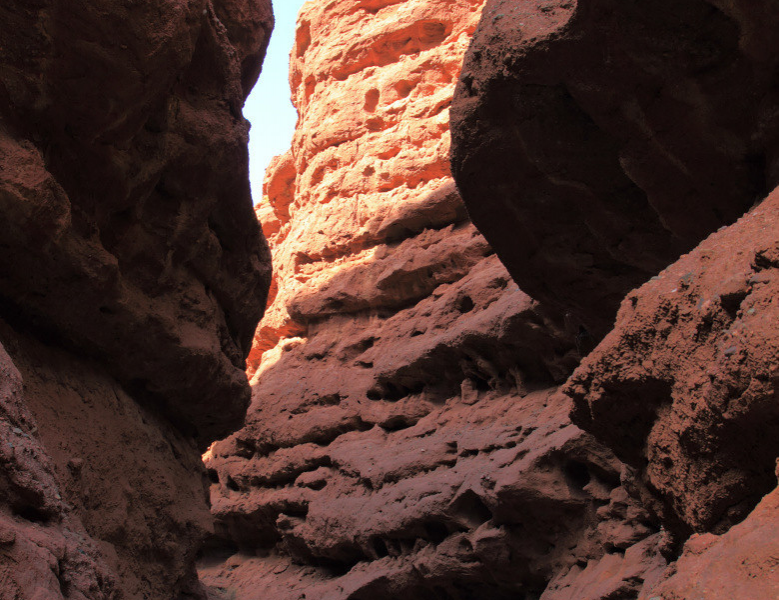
(405, 437)
(132, 276)
(595, 141)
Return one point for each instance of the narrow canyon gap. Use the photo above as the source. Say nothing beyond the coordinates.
(406, 435)
(577, 401)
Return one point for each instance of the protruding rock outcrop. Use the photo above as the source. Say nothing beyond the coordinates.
(132, 276)
(685, 388)
(127, 225)
(739, 563)
(595, 141)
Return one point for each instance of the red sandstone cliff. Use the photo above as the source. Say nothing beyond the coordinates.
(132, 275)
(405, 437)
(408, 433)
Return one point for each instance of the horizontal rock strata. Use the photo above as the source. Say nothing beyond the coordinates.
(406, 436)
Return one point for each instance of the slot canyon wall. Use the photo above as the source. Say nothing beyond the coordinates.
(406, 435)
(595, 420)
(416, 427)
(132, 276)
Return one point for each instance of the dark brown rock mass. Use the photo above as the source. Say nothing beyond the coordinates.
(132, 276)
(595, 141)
(128, 230)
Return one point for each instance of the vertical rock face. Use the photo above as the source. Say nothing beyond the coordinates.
(405, 436)
(596, 141)
(124, 186)
(132, 275)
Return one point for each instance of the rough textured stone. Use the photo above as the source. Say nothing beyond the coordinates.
(594, 142)
(597, 140)
(405, 438)
(685, 387)
(461, 504)
(742, 563)
(106, 499)
(132, 276)
(364, 176)
(38, 558)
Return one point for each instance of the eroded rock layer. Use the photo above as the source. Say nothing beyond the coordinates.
(405, 437)
(132, 275)
(595, 141)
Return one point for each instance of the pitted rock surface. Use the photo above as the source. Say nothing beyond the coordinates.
(685, 387)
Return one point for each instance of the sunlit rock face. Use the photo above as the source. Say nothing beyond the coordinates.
(406, 437)
(132, 276)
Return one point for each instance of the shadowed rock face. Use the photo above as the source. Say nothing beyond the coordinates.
(594, 141)
(128, 230)
(132, 276)
(742, 562)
